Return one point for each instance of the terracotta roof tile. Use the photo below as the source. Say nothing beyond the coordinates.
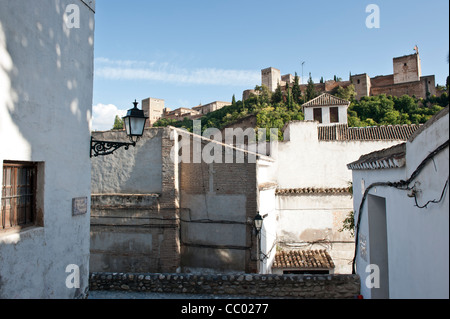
(312, 190)
(393, 157)
(303, 259)
(326, 99)
(341, 132)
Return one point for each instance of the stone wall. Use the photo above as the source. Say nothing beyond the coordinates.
(272, 286)
(133, 233)
(417, 88)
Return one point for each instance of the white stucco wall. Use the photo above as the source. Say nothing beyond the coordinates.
(266, 175)
(46, 83)
(304, 161)
(418, 239)
(313, 222)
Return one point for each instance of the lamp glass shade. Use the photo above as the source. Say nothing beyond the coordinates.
(135, 122)
(258, 222)
(134, 126)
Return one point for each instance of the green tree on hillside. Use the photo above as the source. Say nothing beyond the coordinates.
(118, 123)
(310, 90)
(296, 92)
(348, 93)
(277, 96)
(288, 93)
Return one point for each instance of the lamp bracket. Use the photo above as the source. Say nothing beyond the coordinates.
(103, 148)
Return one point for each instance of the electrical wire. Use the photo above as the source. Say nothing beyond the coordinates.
(434, 201)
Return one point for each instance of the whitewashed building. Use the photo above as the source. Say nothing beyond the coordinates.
(402, 216)
(46, 87)
(326, 109)
(314, 185)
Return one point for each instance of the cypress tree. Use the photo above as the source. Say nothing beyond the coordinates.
(310, 89)
(277, 96)
(296, 92)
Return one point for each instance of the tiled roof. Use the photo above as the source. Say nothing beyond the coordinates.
(303, 259)
(393, 157)
(311, 190)
(326, 99)
(341, 132)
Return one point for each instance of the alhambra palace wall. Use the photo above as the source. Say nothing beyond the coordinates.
(406, 79)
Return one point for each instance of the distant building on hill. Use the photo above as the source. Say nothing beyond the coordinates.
(155, 110)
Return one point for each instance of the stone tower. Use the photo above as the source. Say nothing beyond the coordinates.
(362, 84)
(270, 77)
(407, 68)
(154, 109)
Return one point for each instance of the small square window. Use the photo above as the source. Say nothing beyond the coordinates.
(18, 202)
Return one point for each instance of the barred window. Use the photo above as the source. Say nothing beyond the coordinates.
(18, 204)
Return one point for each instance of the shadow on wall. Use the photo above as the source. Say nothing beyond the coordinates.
(42, 94)
(152, 179)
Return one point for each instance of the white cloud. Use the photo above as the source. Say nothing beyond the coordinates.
(164, 72)
(103, 116)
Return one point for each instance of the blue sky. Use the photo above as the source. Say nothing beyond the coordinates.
(200, 51)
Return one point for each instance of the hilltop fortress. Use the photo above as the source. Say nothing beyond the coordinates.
(406, 79)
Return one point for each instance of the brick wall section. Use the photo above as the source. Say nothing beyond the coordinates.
(273, 286)
(229, 179)
(170, 251)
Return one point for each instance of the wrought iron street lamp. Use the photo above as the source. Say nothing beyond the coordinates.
(134, 123)
(258, 223)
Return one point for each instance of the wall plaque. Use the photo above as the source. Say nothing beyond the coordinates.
(79, 206)
(363, 246)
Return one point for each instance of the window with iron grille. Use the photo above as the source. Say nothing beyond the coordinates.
(18, 204)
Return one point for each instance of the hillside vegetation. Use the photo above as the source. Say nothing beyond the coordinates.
(274, 110)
